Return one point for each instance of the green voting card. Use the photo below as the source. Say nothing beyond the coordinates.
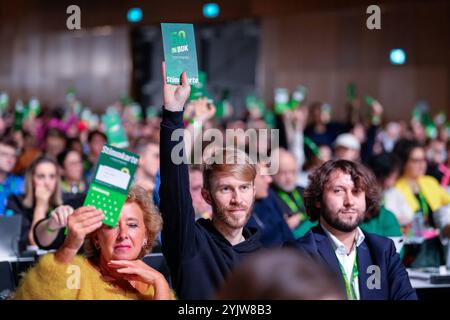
(4, 102)
(223, 105)
(20, 115)
(115, 132)
(198, 90)
(369, 100)
(281, 100)
(298, 96)
(180, 53)
(112, 180)
(351, 91)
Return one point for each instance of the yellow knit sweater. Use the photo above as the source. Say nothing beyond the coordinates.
(52, 280)
(434, 194)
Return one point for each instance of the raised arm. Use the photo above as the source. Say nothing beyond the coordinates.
(176, 203)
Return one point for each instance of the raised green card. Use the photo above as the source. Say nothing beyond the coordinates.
(281, 100)
(4, 102)
(198, 90)
(180, 53)
(351, 91)
(115, 132)
(298, 96)
(369, 100)
(112, 180)
(20, 115)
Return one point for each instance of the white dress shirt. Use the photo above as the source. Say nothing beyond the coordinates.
(346, 259)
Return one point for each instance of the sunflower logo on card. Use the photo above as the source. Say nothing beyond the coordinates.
(178, 42)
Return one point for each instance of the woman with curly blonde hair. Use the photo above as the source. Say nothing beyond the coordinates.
(111, 267)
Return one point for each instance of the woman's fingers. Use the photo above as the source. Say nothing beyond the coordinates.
(128, 270)
(65, 216)
(131, 277)
(92, 220)
(83, 210)
(55, 218)
(93, 227)
(88, 215)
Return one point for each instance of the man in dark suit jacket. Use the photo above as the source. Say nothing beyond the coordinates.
(340, 194)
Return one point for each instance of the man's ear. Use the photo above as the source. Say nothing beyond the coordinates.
(207, 196)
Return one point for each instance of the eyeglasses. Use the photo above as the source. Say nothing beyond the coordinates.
(7, 155)
(74, 163)
(416, 160)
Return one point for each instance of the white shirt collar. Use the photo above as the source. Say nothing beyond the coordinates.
(338, 246)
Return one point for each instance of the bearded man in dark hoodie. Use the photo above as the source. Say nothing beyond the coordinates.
(201, 253)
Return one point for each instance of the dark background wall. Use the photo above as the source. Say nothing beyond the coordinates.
(321, 44)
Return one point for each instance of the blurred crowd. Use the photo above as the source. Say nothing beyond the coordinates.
(48, 156)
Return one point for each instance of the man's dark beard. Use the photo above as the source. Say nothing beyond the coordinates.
(337, 224)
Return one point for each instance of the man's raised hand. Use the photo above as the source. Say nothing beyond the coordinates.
(175, 96)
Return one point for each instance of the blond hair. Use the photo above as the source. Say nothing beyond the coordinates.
(236, 163)
(152, 221)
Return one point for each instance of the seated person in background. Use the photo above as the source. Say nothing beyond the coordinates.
(71, 165)
(444, 168)
(415, 200)
(112, 268)
(383, 222)
(201, 208)
(280, 274)
(267, 215)
(436, 155)
(315, 157)
(9, 184)
(148, 150)
(27, 151)
(55, 142)
(340, 195)
(320, 130)
(96, 141)
(347, 147)
(289, 194)
(42, 195)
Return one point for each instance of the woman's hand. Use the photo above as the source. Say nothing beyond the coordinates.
(58, 217)
(137, 271)
(293, 221)
(79, 224)
(203, 110)
(42, 195)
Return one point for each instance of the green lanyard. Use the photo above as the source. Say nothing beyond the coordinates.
(423, 205)
(350, 287)
(294, 206)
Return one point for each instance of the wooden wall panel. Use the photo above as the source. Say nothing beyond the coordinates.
(96, 62)
(325, 50)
